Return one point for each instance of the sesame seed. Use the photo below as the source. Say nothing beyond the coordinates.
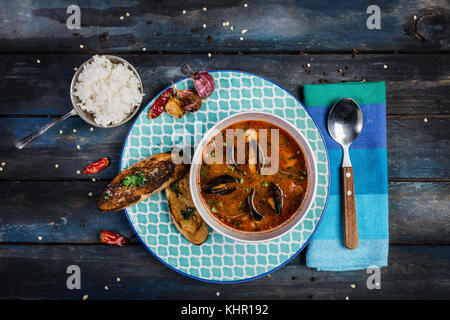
(93, 179)
(85, 297)
(415, 17)
(3, 163)
(106, 288)
(204, 9)
(245, 5)
(60, 132)
(90, 194)
(78, 147)
(363, 80)
(347, 298)
(121, 17)
(39, 238)
(118, 279)
(74, 130)
(184, 11)
(385, 66)
(91, 129)
(352, 286)
(241, 38)
(425, 120)
(209, 55)
(308, 65)
(78, 171)
(56, 166)
(1, 169)
(217, 293)
(204, 26)
(144, 49)
(75, 69)
(38, 61)
(231, 28)
(81, 46)
(244, 31)
(127, 14)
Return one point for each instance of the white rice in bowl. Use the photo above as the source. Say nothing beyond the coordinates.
(109, 91)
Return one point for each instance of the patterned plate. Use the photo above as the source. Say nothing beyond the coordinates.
(220, 259)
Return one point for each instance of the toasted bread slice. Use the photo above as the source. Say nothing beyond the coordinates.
(185, 217)
(140, 181)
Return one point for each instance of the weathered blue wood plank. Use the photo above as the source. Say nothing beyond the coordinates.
(39, 272)
(66, 212)
(272, 26)
(416, 84)
(416, 149)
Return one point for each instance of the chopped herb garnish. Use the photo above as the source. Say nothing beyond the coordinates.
(135, 180)
(211, 202)
(298, 151)
(213, 210)
(232, 168)
(265, 184)
(292, 157)
(224, 144)
(213, 154)
(220, 204)
(187, 213)
(106, 197)
(241, 181)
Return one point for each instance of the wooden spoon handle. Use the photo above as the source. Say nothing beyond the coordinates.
(350, 224)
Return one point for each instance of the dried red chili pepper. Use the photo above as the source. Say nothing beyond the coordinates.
(110, 237)
(96, 166)
(158, 106)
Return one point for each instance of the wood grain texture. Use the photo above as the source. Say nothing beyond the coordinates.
(350, 220)
(39, 272)
(416, 84)
(418, 213)
(272, 26)
(38, 160)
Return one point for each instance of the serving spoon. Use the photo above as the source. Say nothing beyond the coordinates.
(345, 123)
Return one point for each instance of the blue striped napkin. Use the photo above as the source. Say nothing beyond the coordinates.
(368, 155)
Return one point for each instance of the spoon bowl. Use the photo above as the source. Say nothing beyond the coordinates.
(345, 121)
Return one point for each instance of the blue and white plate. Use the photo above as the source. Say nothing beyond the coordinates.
(220, 259)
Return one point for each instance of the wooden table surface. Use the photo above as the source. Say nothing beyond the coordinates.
(48, 221)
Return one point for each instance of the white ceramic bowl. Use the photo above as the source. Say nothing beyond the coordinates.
(259, 236)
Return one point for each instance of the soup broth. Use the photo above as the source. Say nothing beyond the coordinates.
(241, 196)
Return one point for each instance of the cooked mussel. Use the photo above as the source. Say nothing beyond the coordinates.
(225, 178)
(218, 185)
(253, 211)
(231, 159)
(277, 195)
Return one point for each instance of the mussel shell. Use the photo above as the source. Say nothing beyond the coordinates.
(225, 178)
(220, 189)
(253, 211)
(277, 195)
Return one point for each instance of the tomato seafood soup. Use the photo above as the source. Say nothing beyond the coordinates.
(238, 191)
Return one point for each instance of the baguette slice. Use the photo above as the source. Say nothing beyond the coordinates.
(159, 172)
(185, 217)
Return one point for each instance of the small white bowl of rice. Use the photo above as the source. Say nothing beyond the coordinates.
(106, 91)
